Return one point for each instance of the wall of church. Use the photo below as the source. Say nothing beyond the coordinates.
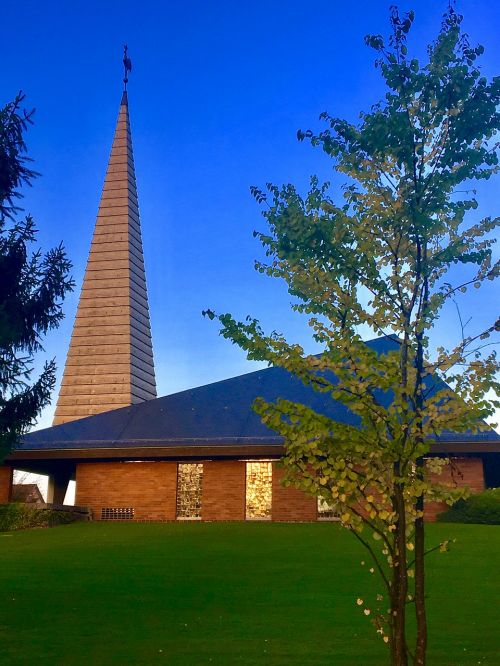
(139, 491)
(5, 484)
(291, 504)
(223, 495)
(150, 491)
(461, 472)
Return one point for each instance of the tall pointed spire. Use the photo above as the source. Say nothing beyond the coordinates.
(110, 359)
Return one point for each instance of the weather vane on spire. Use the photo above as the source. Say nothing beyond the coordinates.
(127, 66)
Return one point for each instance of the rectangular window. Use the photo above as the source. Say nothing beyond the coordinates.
(189, 489)
(327, 510)
(259, 490)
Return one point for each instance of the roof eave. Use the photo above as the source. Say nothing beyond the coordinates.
(199, 448)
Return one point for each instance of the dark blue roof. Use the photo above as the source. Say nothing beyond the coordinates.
(219, 413)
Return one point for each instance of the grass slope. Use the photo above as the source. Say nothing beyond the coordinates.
(107, 593)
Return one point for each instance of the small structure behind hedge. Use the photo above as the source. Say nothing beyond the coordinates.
(28, 493)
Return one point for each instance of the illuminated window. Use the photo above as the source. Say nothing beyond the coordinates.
(189, 489)
(327, 510)
(259, 490)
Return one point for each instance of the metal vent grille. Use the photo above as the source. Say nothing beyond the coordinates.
(117, 513)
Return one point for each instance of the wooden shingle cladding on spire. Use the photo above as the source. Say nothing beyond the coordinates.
(110, 359)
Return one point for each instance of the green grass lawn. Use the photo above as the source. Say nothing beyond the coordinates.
(108, 593)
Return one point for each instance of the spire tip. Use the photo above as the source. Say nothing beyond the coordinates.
(127, 67)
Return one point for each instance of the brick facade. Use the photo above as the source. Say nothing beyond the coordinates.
(462, 472)
(290, 504)
(148, 488)
(223, 491)
(5, 484)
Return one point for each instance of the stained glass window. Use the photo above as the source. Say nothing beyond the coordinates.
(259, 490)
(189, 490)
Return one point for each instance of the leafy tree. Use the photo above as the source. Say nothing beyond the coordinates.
(32, 287)
(385, 258)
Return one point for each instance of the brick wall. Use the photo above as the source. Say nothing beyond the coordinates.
(223, 491)
(5, 484)
(149, 488)
(464, 472)
(291, 504)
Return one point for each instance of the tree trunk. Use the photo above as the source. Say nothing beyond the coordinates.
(421, 643)
(399, 652)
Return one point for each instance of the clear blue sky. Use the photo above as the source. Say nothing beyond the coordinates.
(217, 93)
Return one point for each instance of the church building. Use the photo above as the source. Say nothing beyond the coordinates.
(201, 454)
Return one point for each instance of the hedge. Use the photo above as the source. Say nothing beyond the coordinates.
(482, 508)
(18, 516)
